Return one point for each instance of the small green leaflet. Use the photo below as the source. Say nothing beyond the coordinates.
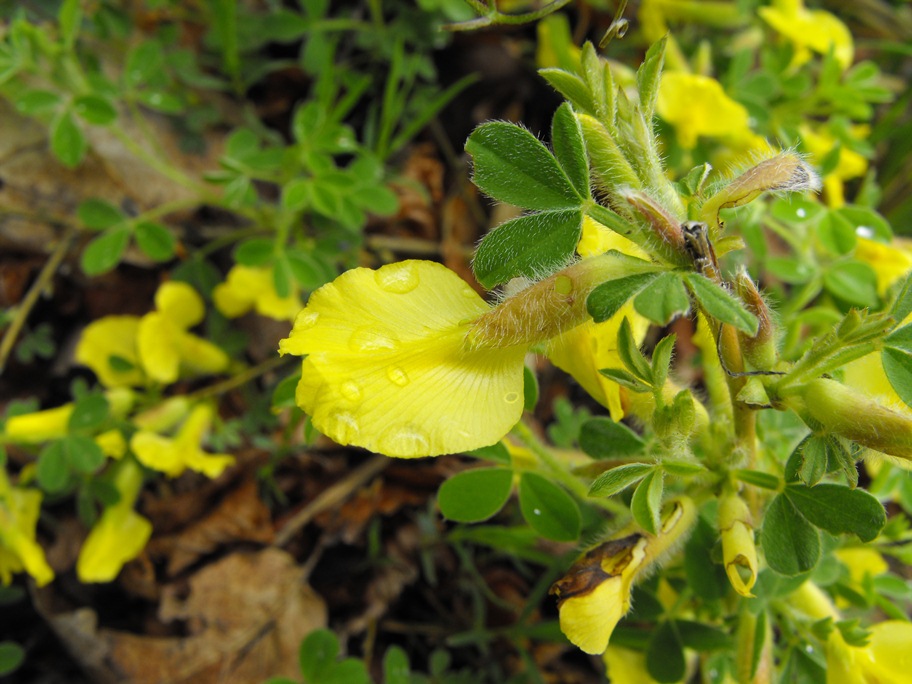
(647, 501)
(790, 543)
(896, 357)
(548, 509)
(617, 479)
(839, 509)
(569, 149)
(607, 299)
(604, 438)
(720, 304)
(475, 495)
(663, 299)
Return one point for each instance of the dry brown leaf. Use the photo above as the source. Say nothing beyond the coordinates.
(240, 516)
(246, 616)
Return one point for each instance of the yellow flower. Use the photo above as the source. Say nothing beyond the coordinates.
(809, 30)
(39, 426)
(248, 288)
(886, 658)
(108, 347)
(388, 367)
(173, 456)
(120, 533)
(626, 666)
(165, 347)
(821, 142)
(19, 507)
(698, 106)
(584, 350)
(595, 593)
(889, 261)
(739, 554)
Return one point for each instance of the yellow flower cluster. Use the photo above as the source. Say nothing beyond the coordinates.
(130, 351)
(247, 288)
(19, 508)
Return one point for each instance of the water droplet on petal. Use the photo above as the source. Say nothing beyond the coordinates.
(469, 293)
(351, 391)
(511, 397)
(367, 339)
(405, 440)
(398, 278)
(306, 319)
(397, 376)
(342, 426)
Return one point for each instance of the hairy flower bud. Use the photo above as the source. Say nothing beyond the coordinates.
(739, 553)
(759, 350)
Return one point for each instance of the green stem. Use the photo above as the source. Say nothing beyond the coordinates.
(238, 380)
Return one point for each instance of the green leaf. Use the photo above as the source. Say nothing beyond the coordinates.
(396, 666)
(144, 62)
(95, 109)
(839, 509)
(571, 87)
(607, 299)
(307, 270)
(675, 466)
(836, 233)
(89, 412)
(649, 76)
(255, 252)
(349, 671)
(548, 509)
(155, 240)
(527, 246)
(83, 454)
(513, 166)
(69, 19)
(496, 452)
(604, 438)
(720, 304)
(475, 495)
(67, 140)
(104, 252)
(99, 214)
(618, 479)
(865, 221)
(663, 299)
(896, 357)
(53, 469)
(854, 282)
(631, 355)
(790, 543)
(317, 654)
(902, 307)
(809, 461)
(646, 503)
(758, 478)
(705, 578)
(661, 360)
(624, 379)
(11, 657)
(530, 389)
(569, 149)
(283, 396)
(378, 200)
(33, 102)
(702, 637)
(665, 654)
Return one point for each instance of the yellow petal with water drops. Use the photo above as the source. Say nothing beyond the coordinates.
(157, 342)
(180, 303)
(39, 426)
(698, 106)
(108, 347)
(388, 369)
(118, 536)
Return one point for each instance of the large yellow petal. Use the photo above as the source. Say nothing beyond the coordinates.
(388, 368)
(890, 652)
(588, 621)
(247, 287)
(40, 426)
(199, 356)
(107, 338)
(157, 345)
(697, 105)
(157, 452)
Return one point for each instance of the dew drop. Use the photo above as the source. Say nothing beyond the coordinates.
(342, 427)
(351, 390)
(397, 278)
(367, 339)
(405, 441)
(469, 293)
(306, 319)
(801, 212)
(397, 376)
(536, 511)
(864, 231)
(563, 285)
(511, 397)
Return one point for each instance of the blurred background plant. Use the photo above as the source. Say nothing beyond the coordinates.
(177, 178)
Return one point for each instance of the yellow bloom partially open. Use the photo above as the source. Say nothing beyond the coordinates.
(120, 533)
(388, 369)
(698, 106)
(810, 30)
(173, 456)
(819, 143)
(247, 288)
(739, 553)
(19, 508)
(108, 347)
(595, 593)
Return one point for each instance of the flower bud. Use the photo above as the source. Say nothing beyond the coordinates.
(759, 350)
(855, 416)
(739, 554)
